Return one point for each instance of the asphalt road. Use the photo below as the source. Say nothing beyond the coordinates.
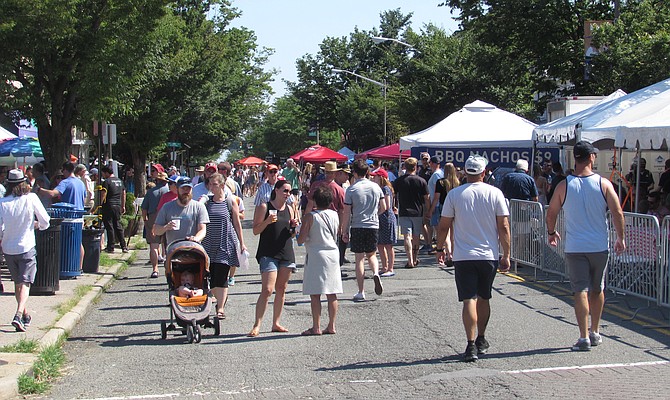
(403, 344)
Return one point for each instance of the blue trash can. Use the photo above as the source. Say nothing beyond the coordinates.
(71, 232)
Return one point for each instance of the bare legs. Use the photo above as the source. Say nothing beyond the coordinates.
(221, 295)
(21, 293)
(274, 281)
(588, 303)
(476, 313)
(153, 255)
(315, 302)
(360, 267)
(387, 255)
(412, 243)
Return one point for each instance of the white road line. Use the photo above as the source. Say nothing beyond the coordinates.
(636, 364)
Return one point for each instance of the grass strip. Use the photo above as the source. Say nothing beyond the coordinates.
(45, 370)
(79, 292)
(22, 346)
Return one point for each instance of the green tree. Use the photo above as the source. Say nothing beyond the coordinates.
(66, 62)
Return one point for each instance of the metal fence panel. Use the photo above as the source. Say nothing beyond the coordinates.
(664, 270)
(637, 270)
(554, 257)
(527, 230)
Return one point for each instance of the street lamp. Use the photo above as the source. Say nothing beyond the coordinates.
(381, 39)
(382, 84)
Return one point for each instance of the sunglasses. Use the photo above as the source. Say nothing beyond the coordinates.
(274, 171)
(286, 190)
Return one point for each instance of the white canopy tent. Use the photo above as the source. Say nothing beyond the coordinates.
(476, 124)
(5, 134)
(566, 129)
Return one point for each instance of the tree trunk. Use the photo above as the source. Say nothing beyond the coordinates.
(55, 140)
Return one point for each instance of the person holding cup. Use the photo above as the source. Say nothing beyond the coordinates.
(183, 218)
(275, 223)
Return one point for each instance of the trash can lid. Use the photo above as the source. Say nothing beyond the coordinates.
(68, 206)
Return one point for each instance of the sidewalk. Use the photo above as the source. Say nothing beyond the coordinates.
(47, 324)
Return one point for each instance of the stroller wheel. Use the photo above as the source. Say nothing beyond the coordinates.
(189, 333)
(217, 326)
(197, 337)
(163, 330)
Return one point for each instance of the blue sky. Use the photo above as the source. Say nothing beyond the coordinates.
(294, 28)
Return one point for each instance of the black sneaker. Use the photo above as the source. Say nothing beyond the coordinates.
(26, 319)
(470, 353)
(18, 324)
(482, 345)
(582, 345)
(379, 289)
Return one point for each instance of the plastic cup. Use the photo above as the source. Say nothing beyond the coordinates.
(177, 224)
(273, 215)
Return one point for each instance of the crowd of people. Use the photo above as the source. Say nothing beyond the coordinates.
(456, 214)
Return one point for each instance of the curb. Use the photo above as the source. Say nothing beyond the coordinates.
(23, 363)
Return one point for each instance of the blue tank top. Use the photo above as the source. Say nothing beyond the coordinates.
(585, 215)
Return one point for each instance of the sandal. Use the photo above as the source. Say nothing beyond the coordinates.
(311, 332)
(279, 329)
(221, 315)
(329, 332)
(154, 274)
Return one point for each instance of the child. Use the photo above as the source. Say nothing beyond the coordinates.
(187, 289)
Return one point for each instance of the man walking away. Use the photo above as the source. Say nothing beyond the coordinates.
(585, 196)
(479, 216)
(113, 201)
(362, 206)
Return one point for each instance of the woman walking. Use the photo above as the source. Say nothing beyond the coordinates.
(224, 232)
(388, 225)
(275, 224)
(322, 267)
(442, 187)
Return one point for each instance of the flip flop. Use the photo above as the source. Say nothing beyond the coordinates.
(154, 274)
(327, 332)
(253, 333)
(409, 266)
(221, 315)
(387, 274)
(280, 329)
(310, 332)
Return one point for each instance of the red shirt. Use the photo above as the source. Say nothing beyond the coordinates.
(338, 194)
(169, 196)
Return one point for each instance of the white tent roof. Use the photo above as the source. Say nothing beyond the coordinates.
(476, 124)
(5, 134)
(564, 129)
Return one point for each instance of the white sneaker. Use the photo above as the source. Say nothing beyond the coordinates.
(595, 339)
(359, 296)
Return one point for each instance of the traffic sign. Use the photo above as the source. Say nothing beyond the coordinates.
(174, 144)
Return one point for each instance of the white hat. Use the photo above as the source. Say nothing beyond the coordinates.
(15, 176)
(475, 165)
(522, 165)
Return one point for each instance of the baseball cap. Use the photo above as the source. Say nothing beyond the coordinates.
(435, 160)
(522, 165)
(380, 172)
(211, 166)
(475, 165)
(583, 149)
(158, 167)
(93, 171)
(184, 181)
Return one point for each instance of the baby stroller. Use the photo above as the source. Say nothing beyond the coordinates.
(189, 313)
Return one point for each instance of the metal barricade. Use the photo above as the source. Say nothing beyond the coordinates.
(528, 233)
(664, 269)
(554, 257)
(636, 271)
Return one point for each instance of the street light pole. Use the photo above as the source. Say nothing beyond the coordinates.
(383, 85)
(381, 39)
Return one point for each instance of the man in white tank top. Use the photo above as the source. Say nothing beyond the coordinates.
(586, 197)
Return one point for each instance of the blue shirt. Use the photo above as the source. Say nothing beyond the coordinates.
(518, 185)
(72, 190)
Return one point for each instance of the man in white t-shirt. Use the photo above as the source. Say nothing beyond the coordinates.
(479, 216)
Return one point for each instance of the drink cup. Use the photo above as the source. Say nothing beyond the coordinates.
(177, 224)
(273, 215)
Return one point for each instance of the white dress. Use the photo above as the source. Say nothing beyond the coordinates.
(322, 266)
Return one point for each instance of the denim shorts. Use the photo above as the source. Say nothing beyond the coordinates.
(269, 264)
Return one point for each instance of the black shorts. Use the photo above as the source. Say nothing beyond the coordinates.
(474, 278)
(363, 240)
(218, 275)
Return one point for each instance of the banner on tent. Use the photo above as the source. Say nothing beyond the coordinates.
(498, 156)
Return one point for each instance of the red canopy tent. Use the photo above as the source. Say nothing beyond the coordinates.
(318, 154)
(251, 160)
(390, 152)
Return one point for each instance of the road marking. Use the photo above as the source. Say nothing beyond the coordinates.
(577, 367)
(148, 396)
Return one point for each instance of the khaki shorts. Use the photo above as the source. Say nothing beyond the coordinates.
(149, 225)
